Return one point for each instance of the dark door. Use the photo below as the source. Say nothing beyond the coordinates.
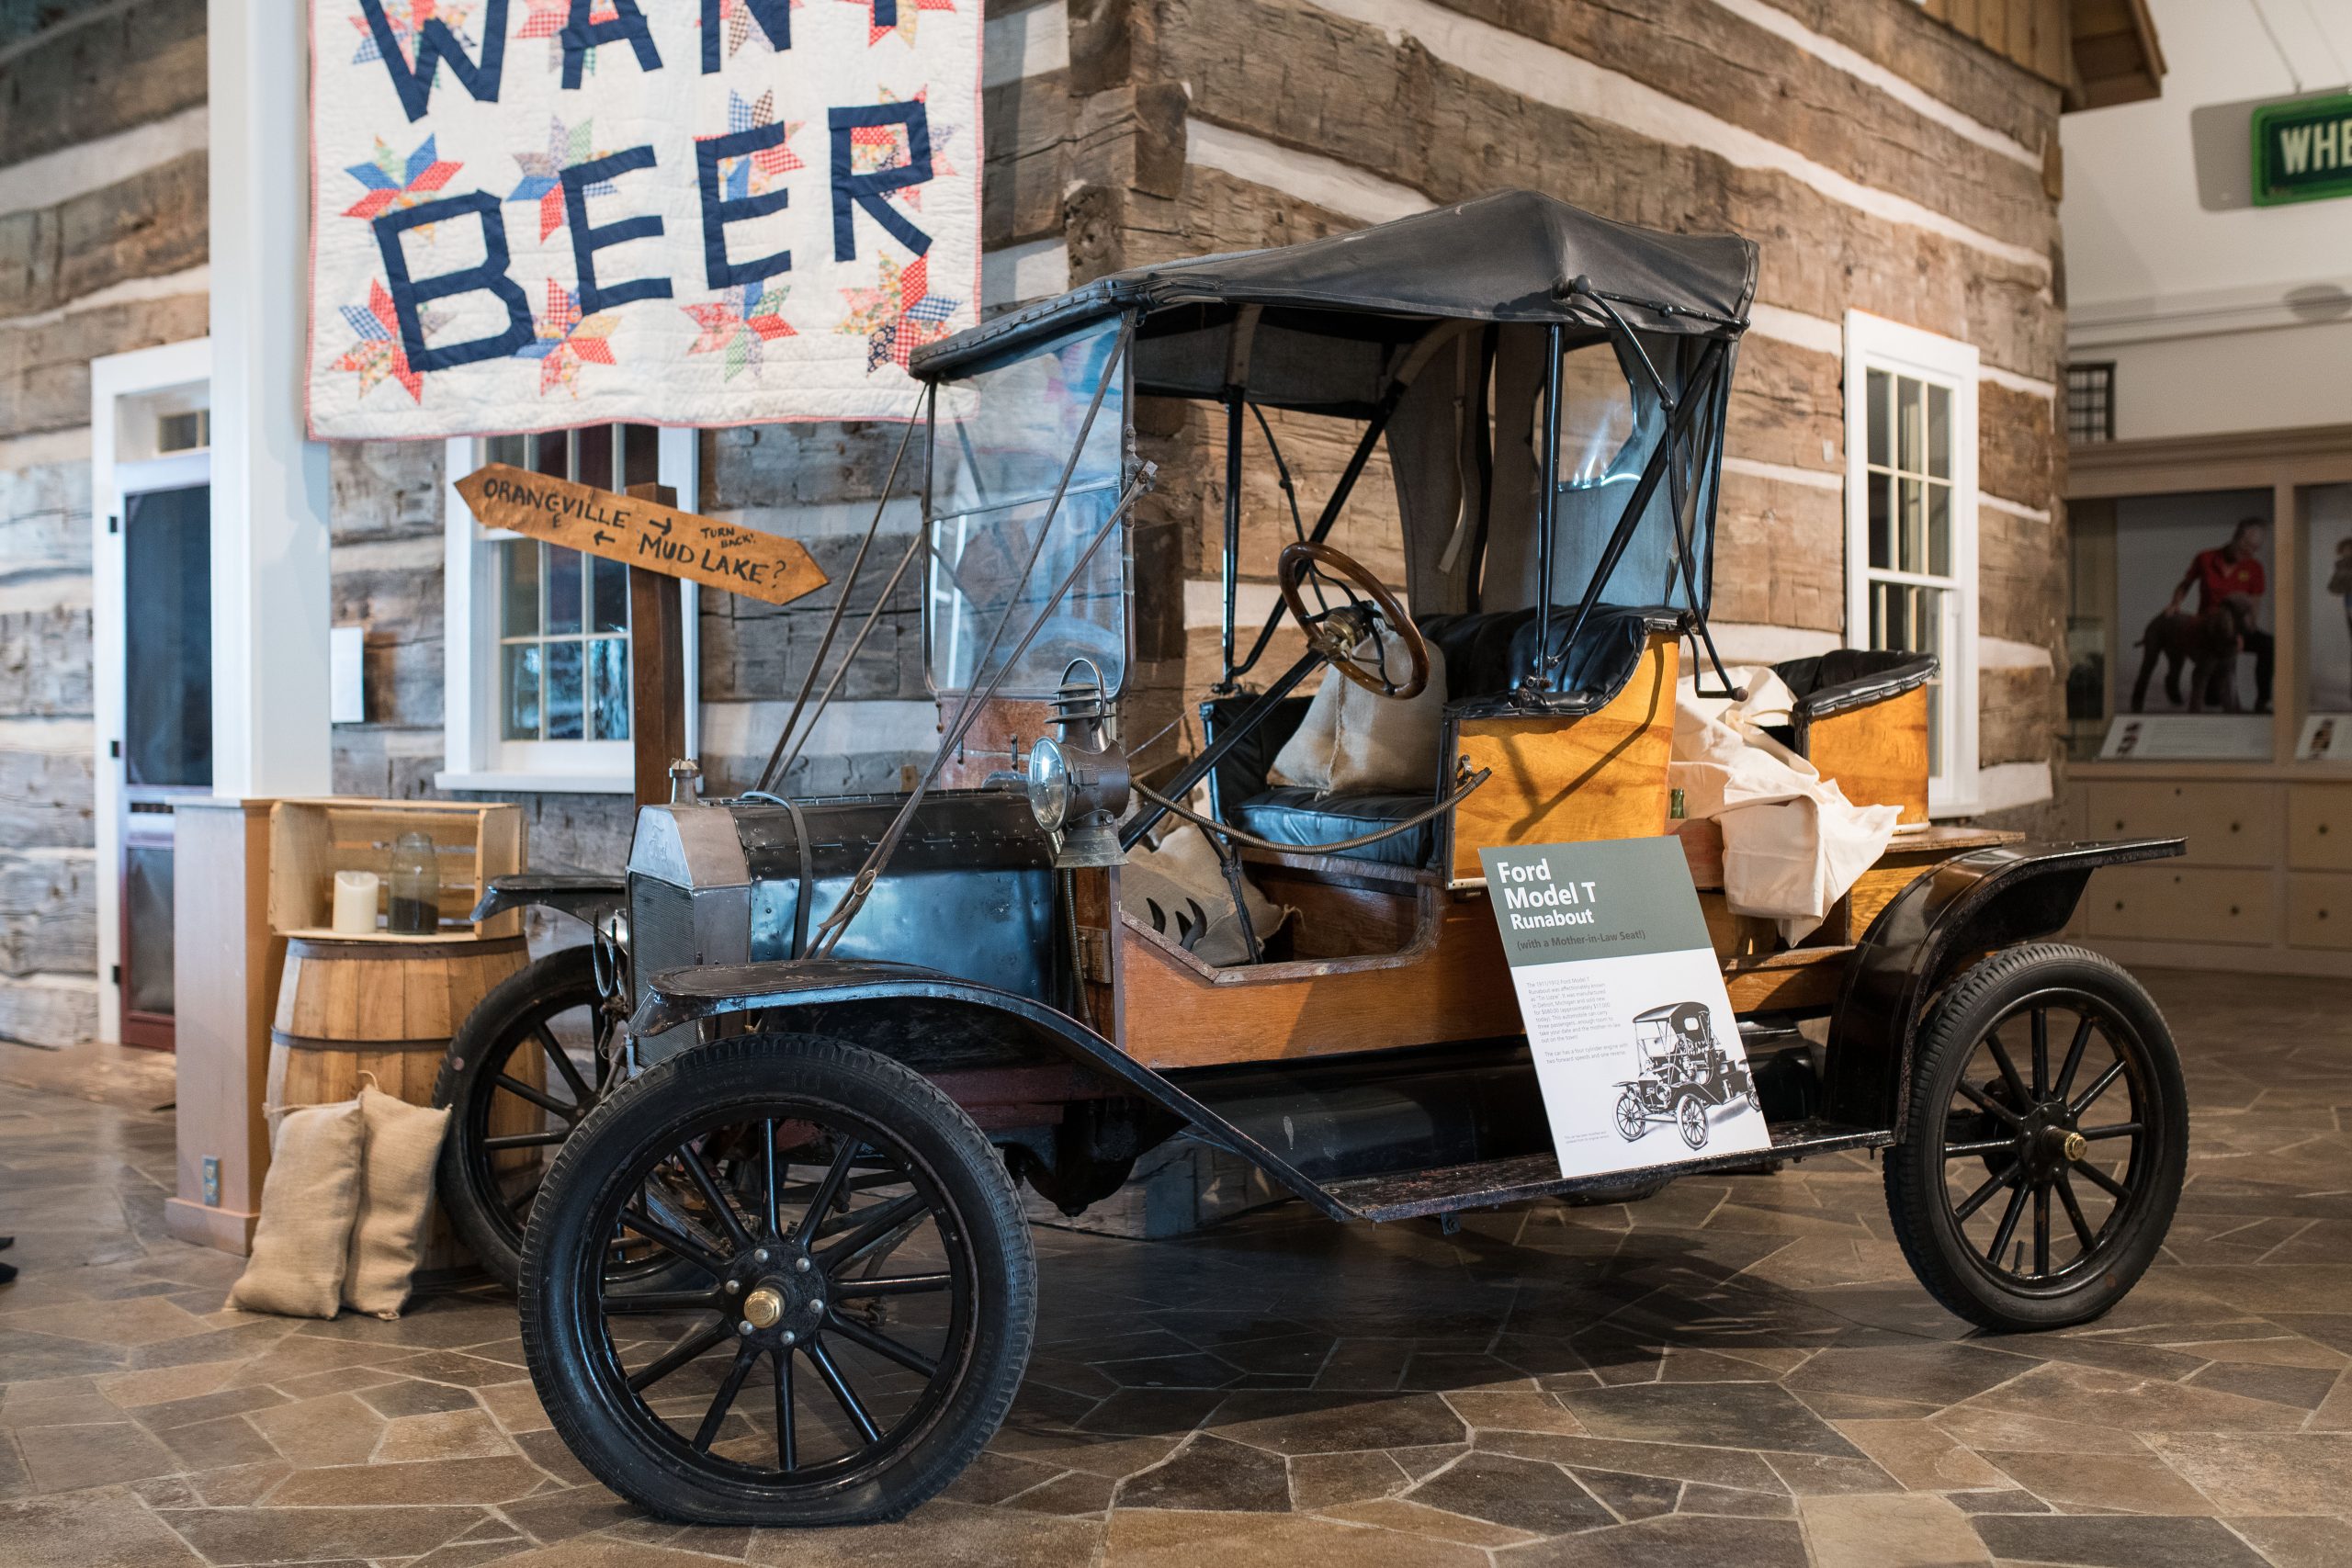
(167, 731)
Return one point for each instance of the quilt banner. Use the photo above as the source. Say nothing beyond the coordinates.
(533, 214)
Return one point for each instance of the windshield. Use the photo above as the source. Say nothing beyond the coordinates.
(998, 448)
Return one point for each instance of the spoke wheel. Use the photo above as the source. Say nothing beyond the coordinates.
(860, 1308)
(2046, 1143)
(524, 1070)
(1629, 1116)
(1691, 1120)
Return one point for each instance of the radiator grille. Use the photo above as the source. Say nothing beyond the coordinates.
(661, 930)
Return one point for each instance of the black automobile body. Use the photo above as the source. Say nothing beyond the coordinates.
(853, 1021)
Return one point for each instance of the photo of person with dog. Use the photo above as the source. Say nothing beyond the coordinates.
(2328, 572)
(2193, 591)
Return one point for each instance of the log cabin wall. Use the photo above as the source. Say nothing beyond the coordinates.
(1883, 161)
(1881, 158)
(102, 250)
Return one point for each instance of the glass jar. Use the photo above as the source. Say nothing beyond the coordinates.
(415, 891)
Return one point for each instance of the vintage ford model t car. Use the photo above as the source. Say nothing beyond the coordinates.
(780, 1275)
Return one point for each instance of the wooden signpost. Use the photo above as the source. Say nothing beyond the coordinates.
(661, 545)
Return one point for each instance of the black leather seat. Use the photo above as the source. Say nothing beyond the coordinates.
(1845, 679)
(1487, 656)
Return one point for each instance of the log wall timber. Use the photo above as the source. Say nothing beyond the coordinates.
(1302, 77)
(1907, 174)
(82, 79)
(1695, 49)
(102, 248)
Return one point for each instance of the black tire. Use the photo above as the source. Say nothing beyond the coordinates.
(845, 1110)
(487, 1207)
(1979, 1126)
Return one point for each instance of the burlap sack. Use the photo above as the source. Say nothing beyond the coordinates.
(1358, 741)
(307, 1202)
(1389, 745)
(395, 1192)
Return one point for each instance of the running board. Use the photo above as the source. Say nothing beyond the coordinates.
(1411, 1194)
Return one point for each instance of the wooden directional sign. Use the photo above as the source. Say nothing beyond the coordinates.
(642, 532)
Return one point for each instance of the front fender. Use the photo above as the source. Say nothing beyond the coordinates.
(935, 1023)
(1971, 904)
(583, 894)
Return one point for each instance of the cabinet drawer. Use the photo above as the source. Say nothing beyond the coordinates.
(2319, 827)
(2176, 903)
(2225, 824)
(2319, 910)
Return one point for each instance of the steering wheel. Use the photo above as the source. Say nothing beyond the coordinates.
(1334, 634)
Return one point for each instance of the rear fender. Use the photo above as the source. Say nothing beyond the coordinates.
(991, 1049)
(1969, 905)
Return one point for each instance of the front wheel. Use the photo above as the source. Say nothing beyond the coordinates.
(1629, 1116)
(862, 1308)
(2046, 1141)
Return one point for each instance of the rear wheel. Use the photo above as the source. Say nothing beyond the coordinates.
(1691, 1120)
(505, 1124)
(860, 1312)
(2046, 1142)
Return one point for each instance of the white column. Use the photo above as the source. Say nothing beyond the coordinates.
(270, 606)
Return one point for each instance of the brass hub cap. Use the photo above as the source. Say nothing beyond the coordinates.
(2076, 1146)
(764, 1308)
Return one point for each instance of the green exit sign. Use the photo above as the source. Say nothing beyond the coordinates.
(2302, 151)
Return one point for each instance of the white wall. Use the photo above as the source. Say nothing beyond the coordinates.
(2218, 315)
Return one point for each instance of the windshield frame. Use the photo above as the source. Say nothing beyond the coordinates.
(1033, 682)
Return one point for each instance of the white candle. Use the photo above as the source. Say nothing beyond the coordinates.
(354, 902)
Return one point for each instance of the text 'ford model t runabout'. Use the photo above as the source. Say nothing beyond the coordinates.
(776, 1270)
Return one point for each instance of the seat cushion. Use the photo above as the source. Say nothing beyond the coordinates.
(1290, 816)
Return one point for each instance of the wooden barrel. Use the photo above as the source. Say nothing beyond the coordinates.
(389, 1007)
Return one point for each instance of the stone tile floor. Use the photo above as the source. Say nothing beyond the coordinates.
(1737, 1372)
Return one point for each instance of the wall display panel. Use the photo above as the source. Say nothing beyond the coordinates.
(2172, 630)
(2327, 572)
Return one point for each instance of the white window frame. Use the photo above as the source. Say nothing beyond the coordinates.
(475, 757)
(1873, 343)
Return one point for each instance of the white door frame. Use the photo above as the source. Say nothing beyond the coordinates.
(122, 462)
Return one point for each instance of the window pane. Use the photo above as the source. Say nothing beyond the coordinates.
(640, 455)
(608, 683)
(1877, 417)
(512, 450)
(519, 675)
(518, 587)
(609, 594)
(1939, 529)
(1908, 421)
(552, 454)
(1939, 431)
(564, 691)
(147, 917)
(1911, 552)
(167, 638)
(564, 572)
(1882, 522)
(593, 456)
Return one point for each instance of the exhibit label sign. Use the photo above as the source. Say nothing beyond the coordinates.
(643, 533)
(528, 215)
(2303, 150)
(1636, 1050)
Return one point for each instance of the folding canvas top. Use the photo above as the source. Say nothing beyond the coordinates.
(1508, 258)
